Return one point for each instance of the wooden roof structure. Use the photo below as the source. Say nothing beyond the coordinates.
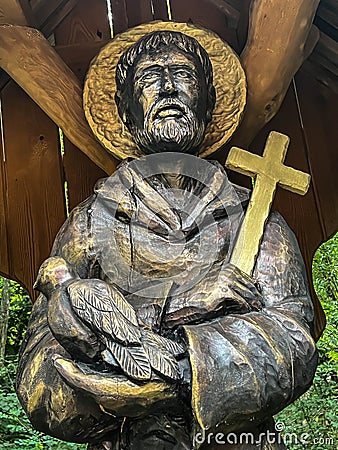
(41, 179)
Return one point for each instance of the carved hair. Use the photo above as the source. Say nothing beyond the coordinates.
(148, 45)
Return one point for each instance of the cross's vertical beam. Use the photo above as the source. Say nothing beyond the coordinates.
(268, 171)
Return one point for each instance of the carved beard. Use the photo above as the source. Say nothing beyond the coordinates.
(169, 125)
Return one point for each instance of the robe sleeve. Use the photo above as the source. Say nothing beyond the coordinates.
(51, 405)
(245, 368)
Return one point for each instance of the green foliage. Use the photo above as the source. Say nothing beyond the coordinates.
(20, 308)
(316, 412)
(16, 431)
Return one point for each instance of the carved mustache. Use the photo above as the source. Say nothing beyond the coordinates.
(167, 104)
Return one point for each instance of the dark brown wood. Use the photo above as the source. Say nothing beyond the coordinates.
(43, 10)
(5, 268)
(35, 206)
(88, 21)
(326, 17)
(323, 62)
(79, 38)
(160, 10)
(28, 12)
(318, 109)
(120, 18)
(52, 21)
(304, 214)
(81, 174)
(78, 56)
(209, 14)
(138, 11)
(242, 27)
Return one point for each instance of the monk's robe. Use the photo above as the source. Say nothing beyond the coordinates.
(167, 249)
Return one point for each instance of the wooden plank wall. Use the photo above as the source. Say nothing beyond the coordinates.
(32, 183)
(79, 37)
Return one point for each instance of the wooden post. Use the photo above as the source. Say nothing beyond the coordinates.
(280, 38)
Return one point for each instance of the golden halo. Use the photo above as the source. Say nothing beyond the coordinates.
(100, 87)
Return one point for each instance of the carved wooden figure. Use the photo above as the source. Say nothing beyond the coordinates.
(160, 231)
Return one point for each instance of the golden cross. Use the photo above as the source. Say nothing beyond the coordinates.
(268, 171)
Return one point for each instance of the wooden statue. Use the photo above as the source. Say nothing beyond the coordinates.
(147, 336)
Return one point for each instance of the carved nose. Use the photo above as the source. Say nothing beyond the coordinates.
(168, 86)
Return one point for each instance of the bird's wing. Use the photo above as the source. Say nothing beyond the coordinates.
(93, 302)
(133, 360)
(162, 361)
(122, 305)
(162, 342)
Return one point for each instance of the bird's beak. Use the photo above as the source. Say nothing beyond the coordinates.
(36, 285)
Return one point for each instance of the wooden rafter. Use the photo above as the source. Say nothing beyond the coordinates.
(15, 11)
(52, 85)
(276, 48)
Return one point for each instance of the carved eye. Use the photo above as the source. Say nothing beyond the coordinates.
(149, 77)
(184, 74)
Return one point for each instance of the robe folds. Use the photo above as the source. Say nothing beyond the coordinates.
(165, 249)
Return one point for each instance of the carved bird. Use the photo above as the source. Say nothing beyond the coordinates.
(94, 311)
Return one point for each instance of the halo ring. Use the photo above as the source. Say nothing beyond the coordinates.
(100, 87)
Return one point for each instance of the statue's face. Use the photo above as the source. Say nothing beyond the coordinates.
(169, 98)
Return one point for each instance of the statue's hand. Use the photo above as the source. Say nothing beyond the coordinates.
(116, 394)
(223, 291)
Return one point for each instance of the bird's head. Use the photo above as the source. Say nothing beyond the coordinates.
(53, 273)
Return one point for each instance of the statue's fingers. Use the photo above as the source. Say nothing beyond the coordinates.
(113, 392)
(243, 288)
(239, 277)
(237, 304)
(243, 300)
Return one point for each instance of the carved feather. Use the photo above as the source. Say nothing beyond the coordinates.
(167, 344)
(133, 360)
(137, 351)
(162, 361)
(105, 310)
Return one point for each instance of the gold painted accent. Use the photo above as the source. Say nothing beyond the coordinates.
(35, 397)
(100, 87)
(114, 393)
(268, 171)
(195, 386)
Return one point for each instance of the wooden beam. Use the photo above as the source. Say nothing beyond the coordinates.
(11, 11)
(49, 19)
(275, 49)
(326, 54)
(52, 85)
